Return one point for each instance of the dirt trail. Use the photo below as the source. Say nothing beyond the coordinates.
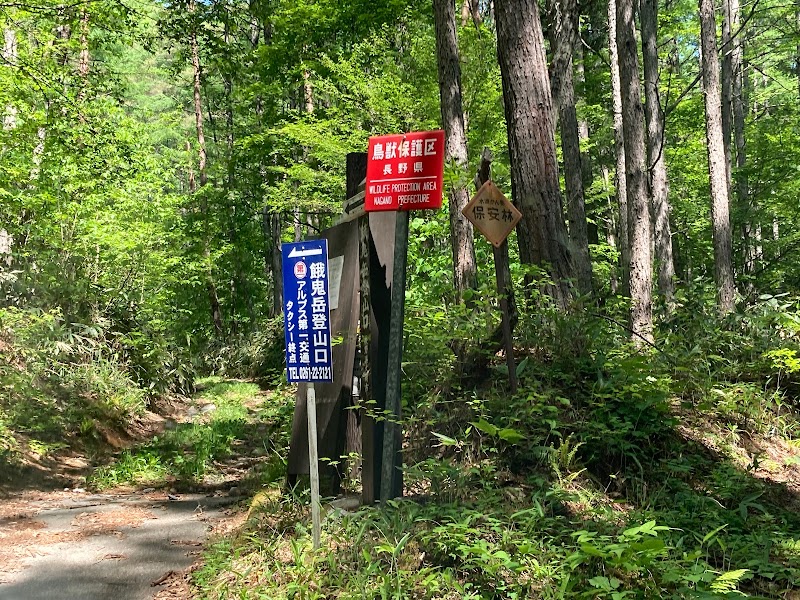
(102, 546)
(125, 544)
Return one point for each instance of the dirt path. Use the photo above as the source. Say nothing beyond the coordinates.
(103, 546)
(132, 543)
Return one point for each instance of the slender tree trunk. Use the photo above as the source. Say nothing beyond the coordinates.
(277, 278)
(83, 64)
(238, 279)
(471, 8)
(198, 103)
(461, 233)
(641, 280)
(720, 203)
(583, 124)
(797, 48)
(10, 59)
(211, 287)
(659, 187)
(528, 103)
(738, 104)
(726, 88)
(620, 182)
(611, 226)
(38, 152)
(563, 36)
(83, 56)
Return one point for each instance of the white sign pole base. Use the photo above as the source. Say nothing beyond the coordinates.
(313, 462)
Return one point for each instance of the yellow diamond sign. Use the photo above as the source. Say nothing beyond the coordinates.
(492, 213)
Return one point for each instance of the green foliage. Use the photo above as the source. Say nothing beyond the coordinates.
(186, 454)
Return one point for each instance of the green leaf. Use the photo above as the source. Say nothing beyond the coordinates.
(512, 436)
(711, 534)
(446, 440)
(485, 427)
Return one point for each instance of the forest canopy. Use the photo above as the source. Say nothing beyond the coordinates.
(155, 155)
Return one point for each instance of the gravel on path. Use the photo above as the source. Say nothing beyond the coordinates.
(69, 545)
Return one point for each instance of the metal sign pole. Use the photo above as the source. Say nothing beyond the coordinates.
(313, 462)
(306, 314)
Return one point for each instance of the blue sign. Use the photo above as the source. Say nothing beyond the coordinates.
(306, 311)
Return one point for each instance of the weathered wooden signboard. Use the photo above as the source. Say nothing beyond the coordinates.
(492, 213)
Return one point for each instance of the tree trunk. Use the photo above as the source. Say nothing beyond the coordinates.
(10, 59)
(198, 104)
(659, 187)
(542, 235)
(211, 287)
(277, 276)
(619, 146)
(641, 278)
(720, 204)
(583, 124)
(742, 185)
(83, 57)
(563, 36)
(727, 88)
(461, 233)
(470, 8)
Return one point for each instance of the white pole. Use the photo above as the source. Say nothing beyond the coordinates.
(313, 461)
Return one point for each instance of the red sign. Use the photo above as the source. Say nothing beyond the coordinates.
(405, 171)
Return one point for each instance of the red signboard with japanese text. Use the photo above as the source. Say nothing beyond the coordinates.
(405, 171)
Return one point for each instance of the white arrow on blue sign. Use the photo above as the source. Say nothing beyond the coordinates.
(306, 312)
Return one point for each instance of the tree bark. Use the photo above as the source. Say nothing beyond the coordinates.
(726, 89)
(659, 186)
(461, 232)
(738, 99)
(211, 287)
(198, 103)
(720, 203)
(542, 235)
(83, 56)
(583, 124)
(619, 145)
(277, 277)
(641, 269)
(563, 36)
(10, 59)
(471, 8)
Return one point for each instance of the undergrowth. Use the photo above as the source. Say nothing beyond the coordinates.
(614, 472)
(62, 383)
(220, 424)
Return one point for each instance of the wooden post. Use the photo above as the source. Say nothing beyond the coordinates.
(313, 462)
(501, 264)
(502, 271)
(368, 491)
(391, 476)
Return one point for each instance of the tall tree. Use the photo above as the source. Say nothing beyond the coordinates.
(211, 286)
(726, 87)
(447, 58)
(563, 37)
(641, 269)
(733, 13)
(720, 203)
(620, 182)
(657, 166)
(530, 122)
(9, 56)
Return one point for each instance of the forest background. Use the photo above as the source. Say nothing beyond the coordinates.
(153, 156)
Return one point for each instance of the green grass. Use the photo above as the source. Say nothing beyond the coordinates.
(185, 455)
(600, 493)
(530, 538)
